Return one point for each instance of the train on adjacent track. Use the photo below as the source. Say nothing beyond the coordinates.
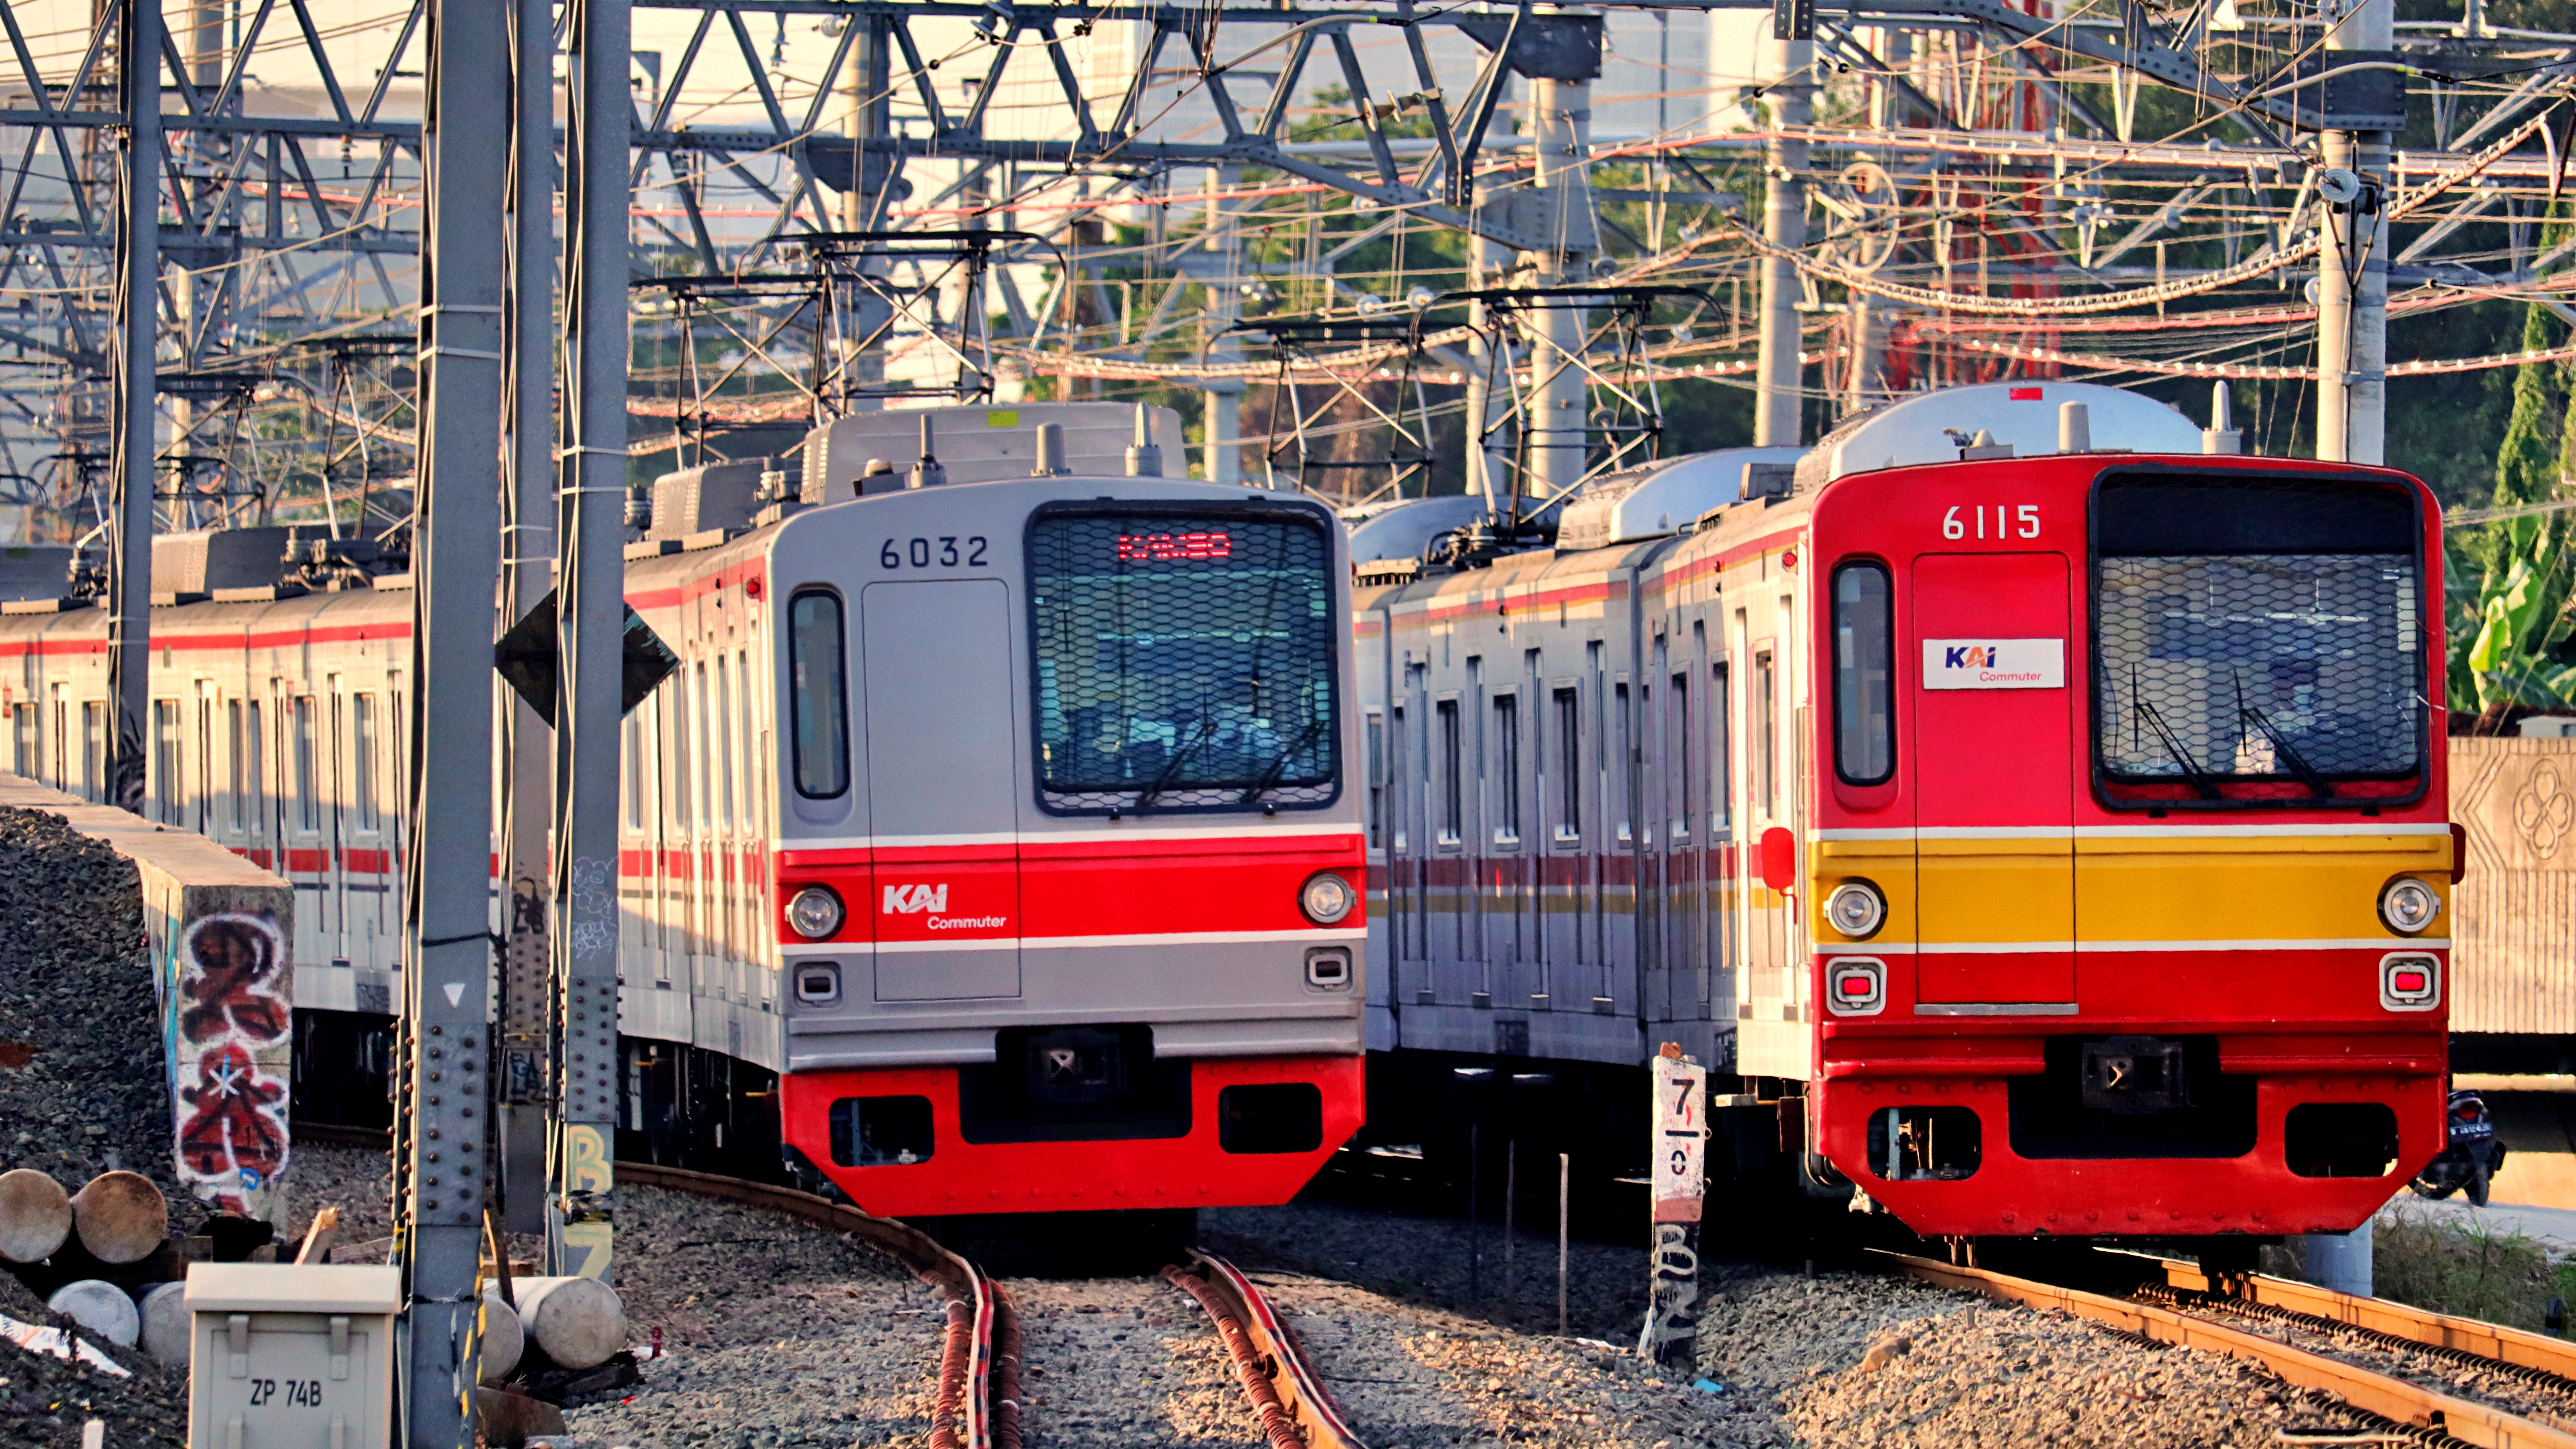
(2031, 837)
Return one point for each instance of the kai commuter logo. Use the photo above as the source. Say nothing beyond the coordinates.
(910, 900)
(1994, 664)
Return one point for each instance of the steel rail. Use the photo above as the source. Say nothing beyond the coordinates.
(2532, 1355)
(2390, 1398)
(979, 1370)
(1287, 1394)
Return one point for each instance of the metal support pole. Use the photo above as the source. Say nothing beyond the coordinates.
(138, 268)
(1564, 1201)
(527, 556)
(1558, 437)
(1488, 264)
(872, 102)
(456, 529)
(1777, 375)
(1223, 395)
(590, 623)
(2352, 267)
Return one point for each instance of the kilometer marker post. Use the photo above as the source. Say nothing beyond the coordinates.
(1678, 1183)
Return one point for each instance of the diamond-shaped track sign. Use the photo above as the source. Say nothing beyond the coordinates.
(530, 657)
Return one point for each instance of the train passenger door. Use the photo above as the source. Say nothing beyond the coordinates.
(1994, 721)
(943, 799)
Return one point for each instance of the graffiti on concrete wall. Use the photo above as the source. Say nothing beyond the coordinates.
(230, 1055)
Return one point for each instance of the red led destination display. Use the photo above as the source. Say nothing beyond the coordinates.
(1165, 547)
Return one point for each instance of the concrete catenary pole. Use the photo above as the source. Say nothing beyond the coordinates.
(2352, 393)
(1558, 434)
(2352, 269)
(527, 559)
(1223, 396)
(442, 1112)
(590, 622)
(1788, 101)
(134, 387)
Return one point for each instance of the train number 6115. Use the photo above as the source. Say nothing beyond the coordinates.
(2024, 522)
(923, 553)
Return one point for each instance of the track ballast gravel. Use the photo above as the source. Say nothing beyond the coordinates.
(82, 1086)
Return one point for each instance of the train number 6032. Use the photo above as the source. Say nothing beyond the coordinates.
(2024, 522)
(923, 553)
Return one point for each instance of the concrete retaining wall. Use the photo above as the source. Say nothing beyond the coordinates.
(221, 931)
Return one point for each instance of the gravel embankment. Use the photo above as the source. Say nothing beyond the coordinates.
(82, 1087)
(1986, 1376)
(82, 1091)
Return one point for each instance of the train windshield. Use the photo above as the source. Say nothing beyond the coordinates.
(2256, 628)
(1184, 660)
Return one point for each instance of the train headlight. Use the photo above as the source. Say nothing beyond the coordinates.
(1856, 909)
(814, 913)
(2408, 905)
(1326, 898)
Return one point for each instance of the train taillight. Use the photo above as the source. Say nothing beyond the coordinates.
(1856, 986)
(2410, 981)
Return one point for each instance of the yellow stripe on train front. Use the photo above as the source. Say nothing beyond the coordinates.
(1998, 892)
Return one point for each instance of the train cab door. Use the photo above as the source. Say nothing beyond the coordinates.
(943, 766)
(1994, 722)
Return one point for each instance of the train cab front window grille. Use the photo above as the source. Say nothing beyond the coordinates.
(1183, 658)
(820, 706)
(1864, 675)
(2259, 638)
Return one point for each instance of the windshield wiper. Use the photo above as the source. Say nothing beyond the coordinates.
(2248, 714)
(1270, 777)
(1172, 767)
(2139, 709)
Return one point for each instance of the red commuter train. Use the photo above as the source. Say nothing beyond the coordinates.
(2036, 844)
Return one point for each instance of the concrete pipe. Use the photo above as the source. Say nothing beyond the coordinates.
(120, 1217)
(504, 1339)
(100, 1308)
(35, 1216)
(164, 1308)
(577, 1322)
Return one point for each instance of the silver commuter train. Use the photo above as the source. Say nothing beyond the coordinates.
(1050, 767)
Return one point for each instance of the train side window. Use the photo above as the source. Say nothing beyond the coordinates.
(25, 759)
(1679, 746)
(720, 732)
(308, 799)
(821, 696)
(680, 751)
(1721, 759)
(629, 765)
(165, 760)
(1452, 817)
(1627, 756)
(234, 812)
(1864, 675)
(254, 804)
(1569, 765)
(93, 749)
(1376, 781)
(1766, 731)
(1507, 759)
(364, 762)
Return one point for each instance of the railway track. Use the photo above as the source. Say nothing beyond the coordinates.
(2192, 1311)
(979, 1372)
